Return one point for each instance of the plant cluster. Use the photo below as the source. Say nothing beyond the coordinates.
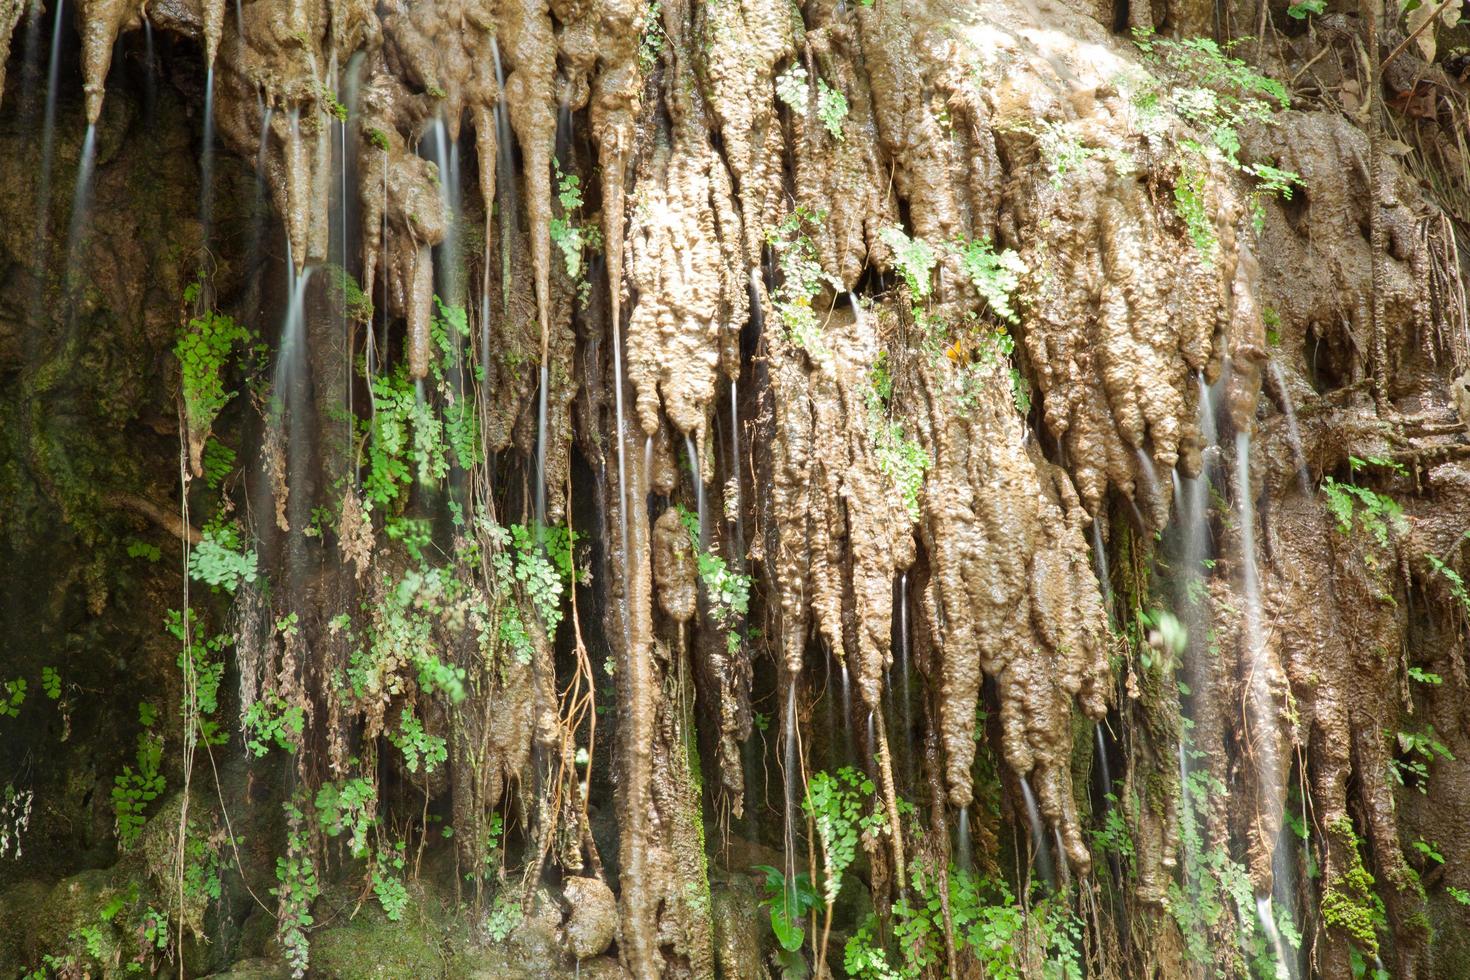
(1204, 84)
(801, 279)
(203, 349)
(726, 590)
(133, 790)
(793, 87)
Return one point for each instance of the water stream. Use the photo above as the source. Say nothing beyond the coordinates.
(1293, 433)
(1041, 848)
(206, 159)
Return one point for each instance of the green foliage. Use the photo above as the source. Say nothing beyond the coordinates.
(838, 806)
(1416, 751)
(789, 899)
(726, 591)
(1425, 677)
(801, 280)
(272, 719)
(1215, 886)
(348, 806)
(505, 915)
(12, 698)
(205, 659)
(1304, 9)
(408, 437)
(203, 350)
(572, 235)
(793, 87)
(1429, 850)
(1457, 585)
(1217, 94)
(220, 560)
(1378, 514)
(651, 47)
(1005, 938)
(996, 275)
(296, 889)
(134, 789)
(144, 550)
(218, 461)
(343, 285)
(51, 683)
(377, 138)
(1348, 900)
(387, 876)
(913, 257)
(901, 459)
(418, 745)
(1189, 204)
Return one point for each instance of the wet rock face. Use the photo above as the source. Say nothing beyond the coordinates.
(796, 209)
(593, 920)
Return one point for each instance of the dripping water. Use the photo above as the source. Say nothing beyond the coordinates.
(1150, 476)
(904, 697)
(541, 446)
(1258, 702)
(206, 164)
(81, 202)
(789, 775)
(963, 856)
(504, 174)
(1039, 842)
(1273, 936)
(1100, 563)
(693, 451)
(757, 314)
(1102, 764)
(150, 80)
(1293, 434)
(1206, 410)
(287, 414)
(648, 462)
(846, 722)
(734, 483)
(48, 135)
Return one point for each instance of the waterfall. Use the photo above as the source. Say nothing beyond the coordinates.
(48, 136)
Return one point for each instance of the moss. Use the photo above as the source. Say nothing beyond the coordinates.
(1348, 901)
(371, 946)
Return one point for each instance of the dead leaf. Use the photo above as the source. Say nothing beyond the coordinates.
(1416, 17)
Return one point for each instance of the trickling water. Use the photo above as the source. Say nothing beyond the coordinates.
(48, 135)
(1207, 426)
(757, 315)
(1100, 561)
(693, 452)
(1273, 936)
(206, 165)
(789, 776)
(734, 483)
(1260, 716)
(1150, 476)
(80, 202)
(150, 82)
(541, 446)
(505, 183)
(963, 857)
(1102, 763)
(1293, 434)
(1038, 833)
